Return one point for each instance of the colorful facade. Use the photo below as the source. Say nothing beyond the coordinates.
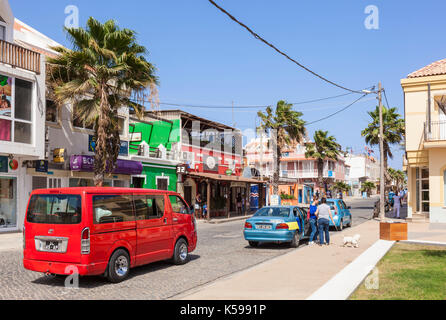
(425, 160)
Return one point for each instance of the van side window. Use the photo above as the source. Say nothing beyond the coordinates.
(112, 208)
(178, 205)
(149, 206)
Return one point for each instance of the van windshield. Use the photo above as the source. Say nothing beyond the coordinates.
(55, 209)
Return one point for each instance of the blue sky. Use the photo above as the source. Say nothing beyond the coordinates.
(203, 58)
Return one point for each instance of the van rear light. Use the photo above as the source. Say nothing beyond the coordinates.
(85, 241)
(282, 226)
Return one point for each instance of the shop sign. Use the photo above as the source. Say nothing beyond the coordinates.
(41, 166)
(136, 137)
(210, 163)
(123, 150)
(181, 169)
(229, 172)
(59, 155)
(13, 164)
(3, 164)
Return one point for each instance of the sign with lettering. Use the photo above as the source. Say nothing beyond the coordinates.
(123, 150)
(41, 166)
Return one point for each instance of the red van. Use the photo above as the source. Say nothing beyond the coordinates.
(105, 231)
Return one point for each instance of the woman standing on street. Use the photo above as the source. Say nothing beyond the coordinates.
(313, 220)
(323, 214)
(197, 207)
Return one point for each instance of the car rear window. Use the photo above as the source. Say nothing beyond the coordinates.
(273, 212)
(55, 209)
(332, 205)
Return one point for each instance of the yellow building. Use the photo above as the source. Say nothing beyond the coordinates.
(425, 116)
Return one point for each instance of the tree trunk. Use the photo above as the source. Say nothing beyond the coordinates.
(276, 174)
(320, 173)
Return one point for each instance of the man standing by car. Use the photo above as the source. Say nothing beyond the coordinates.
(323, 214)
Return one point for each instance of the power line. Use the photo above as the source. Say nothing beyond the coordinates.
(279, 51)
(387, 101)
(337, 112)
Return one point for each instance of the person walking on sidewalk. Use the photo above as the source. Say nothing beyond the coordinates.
(313, 220)
(324, 216)
(396, 205)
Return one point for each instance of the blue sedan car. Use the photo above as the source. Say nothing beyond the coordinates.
(277, 224)
(341, 214)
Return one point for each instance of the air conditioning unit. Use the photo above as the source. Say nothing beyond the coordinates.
(187, 157)
(143, 149)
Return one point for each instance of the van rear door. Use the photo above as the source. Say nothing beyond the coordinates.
(53, 228)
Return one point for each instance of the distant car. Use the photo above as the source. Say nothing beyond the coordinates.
(341, 214)
(278, 224)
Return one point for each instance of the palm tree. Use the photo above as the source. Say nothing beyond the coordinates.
(394, 132)
(323, 148)
(368, 186)
(105, 70)
(287, 129)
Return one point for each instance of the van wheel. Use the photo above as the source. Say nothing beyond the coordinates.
(119, 266)
(181, 254)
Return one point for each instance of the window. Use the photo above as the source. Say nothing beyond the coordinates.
(149, 206)
(15, 115)
(78, 182)
(121, 126)
(162, 183)
(55, 209)
(8, 202)
(178, 205)
(52, 112)
(2, 32)
(112, 208)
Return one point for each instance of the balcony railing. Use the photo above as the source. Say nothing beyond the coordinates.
(20, 57)
(435, 131)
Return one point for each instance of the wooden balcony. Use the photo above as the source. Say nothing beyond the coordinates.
(19, 57)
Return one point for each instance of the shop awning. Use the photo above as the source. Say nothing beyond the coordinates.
(86, 164)
(222, 177)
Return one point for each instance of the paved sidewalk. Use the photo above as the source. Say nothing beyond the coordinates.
(293, 276)
(11, 241)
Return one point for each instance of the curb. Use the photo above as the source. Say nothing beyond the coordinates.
(343, 284)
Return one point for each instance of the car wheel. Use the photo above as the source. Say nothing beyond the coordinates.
(350, 222)
(119, 266)
(181, 253)
(341, 225)
(296, 240)
(253, 244)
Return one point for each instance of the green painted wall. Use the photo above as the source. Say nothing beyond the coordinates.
(152, 172)
(156, 134)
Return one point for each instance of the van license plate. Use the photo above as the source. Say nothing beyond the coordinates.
(52, 246)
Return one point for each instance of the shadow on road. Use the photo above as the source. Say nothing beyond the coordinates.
(89, 282)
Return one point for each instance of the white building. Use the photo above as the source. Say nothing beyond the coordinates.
(362, 168)
(22, 119)
(69, 148)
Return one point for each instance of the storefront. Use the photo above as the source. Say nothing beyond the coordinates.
(8, 193)
(220, 194)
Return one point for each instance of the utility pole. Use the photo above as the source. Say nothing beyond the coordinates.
(382, 183)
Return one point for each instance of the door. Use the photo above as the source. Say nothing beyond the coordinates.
(153, 228)
(300, 219)
(188, 194)
(182, 219)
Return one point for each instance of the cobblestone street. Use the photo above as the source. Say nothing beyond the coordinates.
(221, 251)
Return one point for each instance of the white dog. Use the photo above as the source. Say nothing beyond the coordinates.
(352, 241)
